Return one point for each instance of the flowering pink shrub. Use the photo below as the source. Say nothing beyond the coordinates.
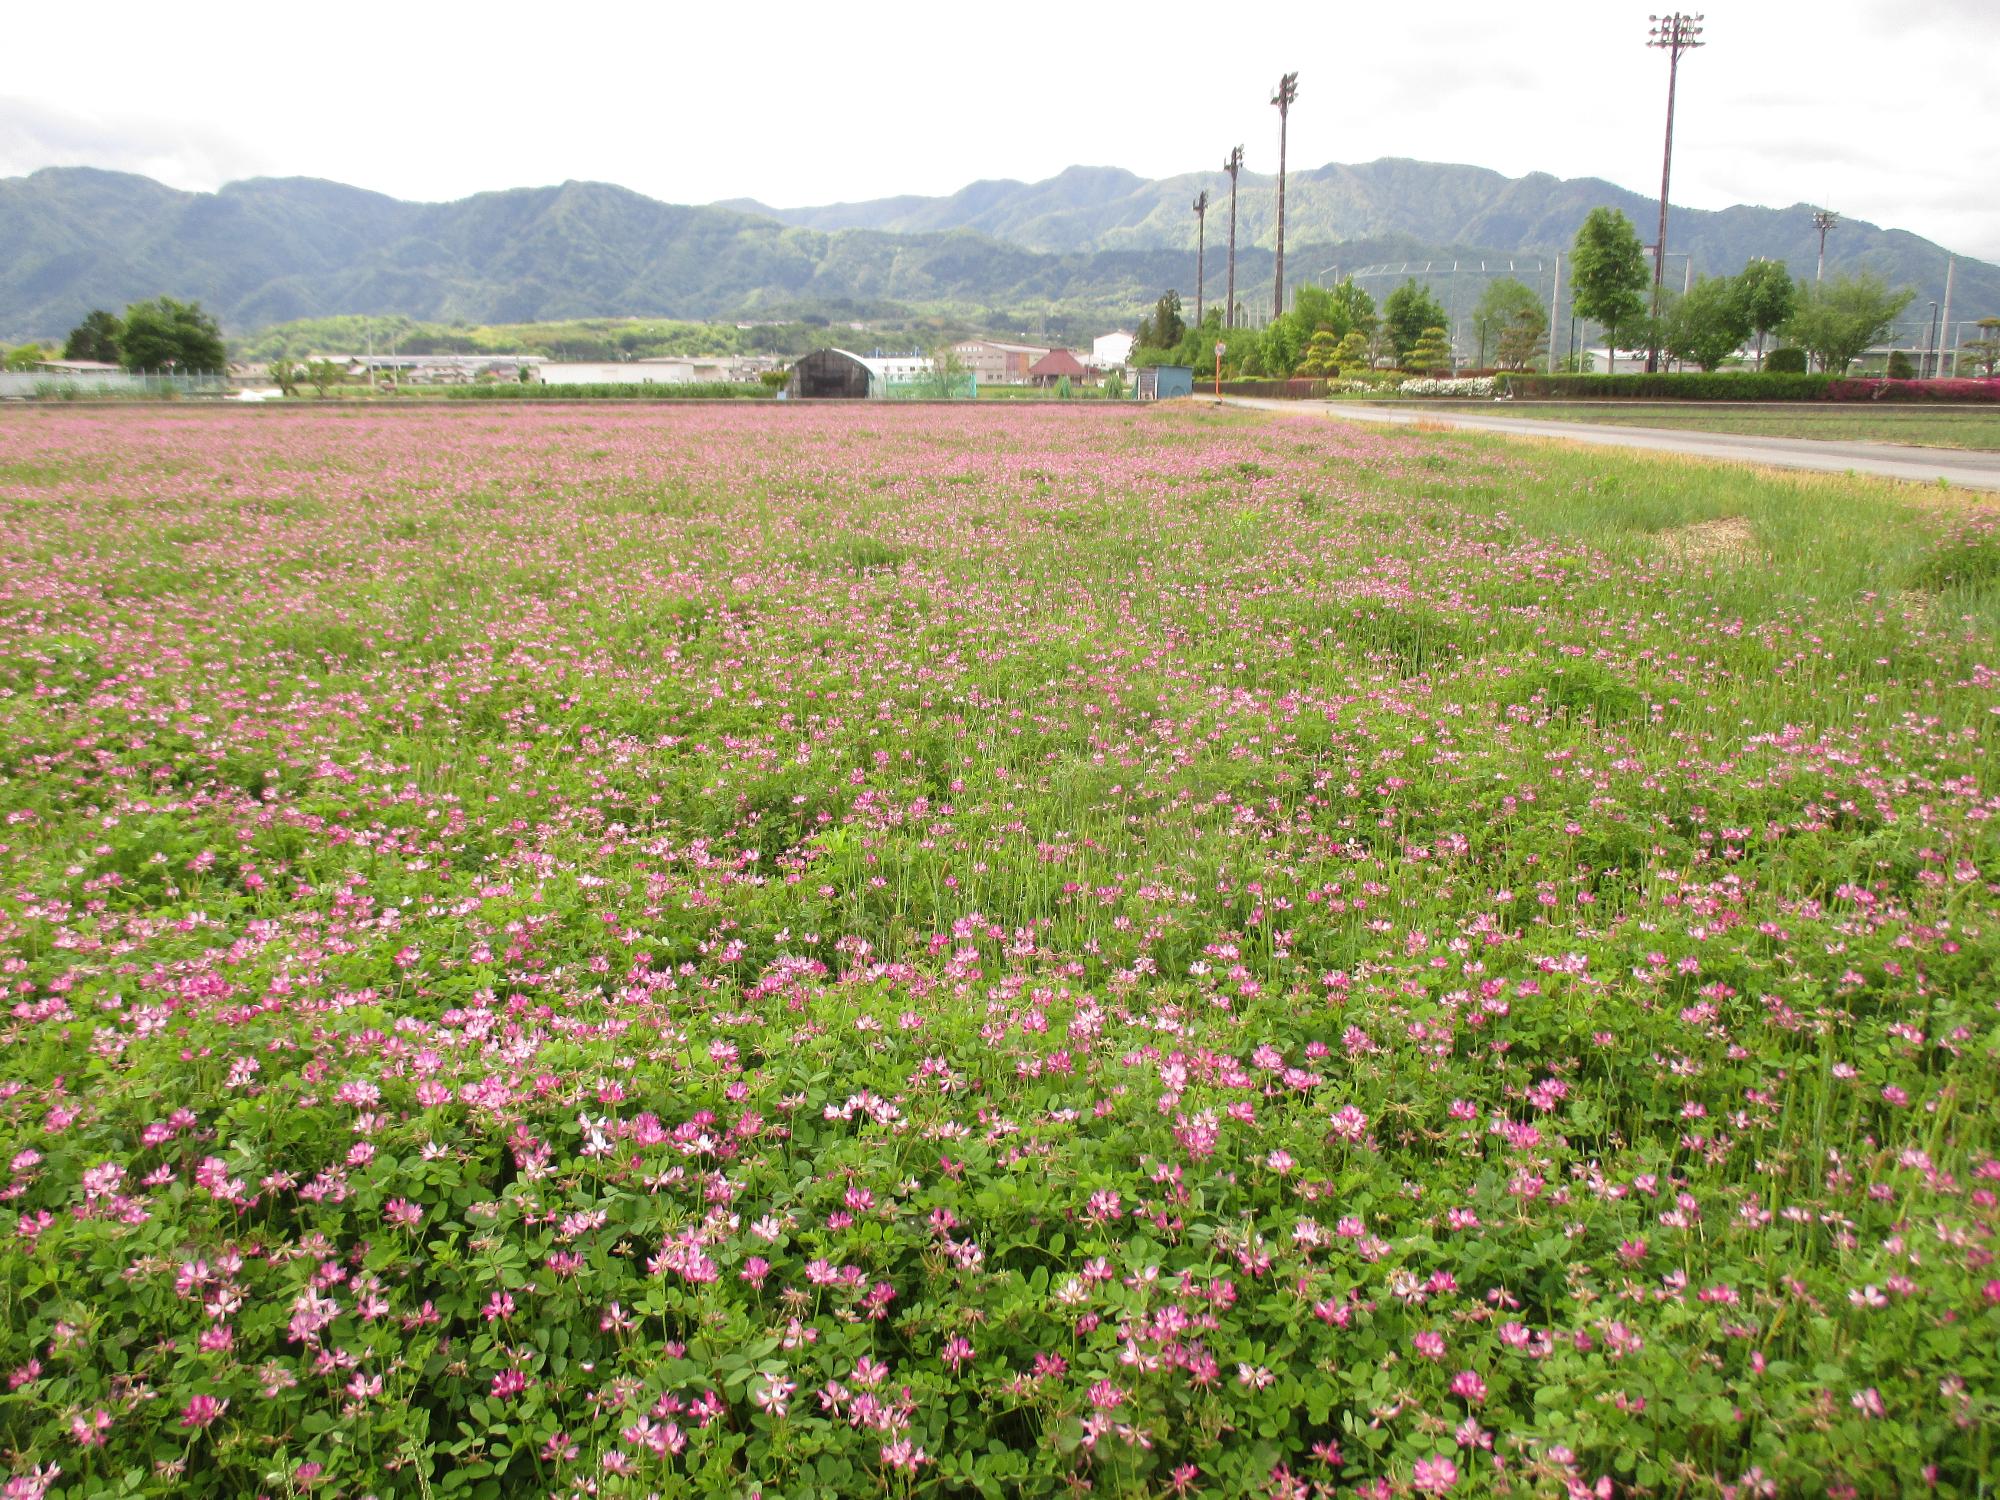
(629, 951)
(1877, 389)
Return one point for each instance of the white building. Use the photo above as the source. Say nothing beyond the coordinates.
(1109, 351)
(606, 372)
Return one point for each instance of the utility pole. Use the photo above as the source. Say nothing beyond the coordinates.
(1288, 90)
(1944, 333)
(1823, 220)
(1201, 251)
(1555, 296)
(1674, 34)
(1232, 164)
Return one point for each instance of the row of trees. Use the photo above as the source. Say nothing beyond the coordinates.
(1338, 330)
(159, 334)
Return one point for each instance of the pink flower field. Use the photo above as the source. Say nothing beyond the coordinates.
(902, 951)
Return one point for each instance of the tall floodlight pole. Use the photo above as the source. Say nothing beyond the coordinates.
(1232, 164)
(1288, 90)
(1823, 220)
(1944, 328)
(1674, 34)
(1201, 251)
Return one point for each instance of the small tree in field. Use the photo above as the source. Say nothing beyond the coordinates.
(323, 374)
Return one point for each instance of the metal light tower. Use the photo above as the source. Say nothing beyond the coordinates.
(1201, 251)
(1673, 34)
(1823, 220)
(1288, 90)
(1232, 164)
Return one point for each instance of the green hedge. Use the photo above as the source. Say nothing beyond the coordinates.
(699, 390)
(1680, 387)
(1785, 362)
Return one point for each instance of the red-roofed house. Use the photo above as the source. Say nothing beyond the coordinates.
(1057, 363)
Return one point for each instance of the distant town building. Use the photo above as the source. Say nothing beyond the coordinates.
(1111, 351)
(1055, 365)
(996, 363)
(441, 369)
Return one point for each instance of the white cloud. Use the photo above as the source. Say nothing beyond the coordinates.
(1866, 107)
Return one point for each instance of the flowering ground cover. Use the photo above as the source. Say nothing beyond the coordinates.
(816, 952)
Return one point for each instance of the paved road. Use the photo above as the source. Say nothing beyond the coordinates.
(1979, 471)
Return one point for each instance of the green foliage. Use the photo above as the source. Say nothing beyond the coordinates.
(23, 357)
(1769, 298)
(1430, 353)
(1728, 386)
(323, 375)
(1838, 318)
(1709, 324)
(1322, 355)
(1786, 361)
(534, 937)
(1410, 311)
(1608, 272)
(96, 337)
(1524, 341)
(1164, 327)
(1983, 353)
(1508, 305)
(1900, 366)
(1352, 354)
(165, 335)
(286, 376)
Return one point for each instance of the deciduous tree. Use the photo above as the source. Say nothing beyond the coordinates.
(1838, 318)
(1523, 342)
(1709, 324)
(96, 337)
(163, 334)
(1769, 298)
(1608, 277)
(1499, 305)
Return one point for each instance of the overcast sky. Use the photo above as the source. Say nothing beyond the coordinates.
(1881, 109)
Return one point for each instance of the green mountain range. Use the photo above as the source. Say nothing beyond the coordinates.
(1087, 249)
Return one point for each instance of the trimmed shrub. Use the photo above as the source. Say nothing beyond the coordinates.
(1785, 362)
(1675, 387)
(1478, 385)
(1913, 390)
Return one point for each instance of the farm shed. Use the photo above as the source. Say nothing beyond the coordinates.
(1164, 382)
(829, 374)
